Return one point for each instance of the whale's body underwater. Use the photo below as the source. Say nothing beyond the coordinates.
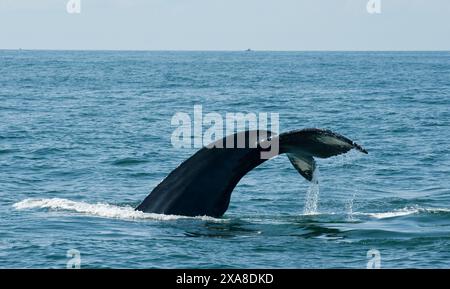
(202, 184)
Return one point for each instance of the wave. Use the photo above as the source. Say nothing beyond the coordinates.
(102, 210)
(129, 213)
(404, 212)
(128, 162)
(7, 151)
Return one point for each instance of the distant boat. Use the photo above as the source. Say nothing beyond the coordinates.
(248, 50)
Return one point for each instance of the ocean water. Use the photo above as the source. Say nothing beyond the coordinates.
(85, 136)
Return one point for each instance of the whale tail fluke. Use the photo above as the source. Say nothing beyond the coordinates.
(301, 146)
(202, 185)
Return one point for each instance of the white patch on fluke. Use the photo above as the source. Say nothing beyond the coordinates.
(102, 210)
(302, 164)
(334, 141)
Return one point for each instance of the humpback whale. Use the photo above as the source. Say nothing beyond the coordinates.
(202, 184)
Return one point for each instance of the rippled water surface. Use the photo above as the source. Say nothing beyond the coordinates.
(85, 136)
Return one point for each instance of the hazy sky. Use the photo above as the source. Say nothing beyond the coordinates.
(226, 25)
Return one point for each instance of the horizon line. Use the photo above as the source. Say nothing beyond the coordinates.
(225, 50)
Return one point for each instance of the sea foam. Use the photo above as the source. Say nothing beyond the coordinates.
(405, 212)
(101, 210)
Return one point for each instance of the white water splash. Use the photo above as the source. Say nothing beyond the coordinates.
(102, 210)
(349, 207)
(312, 195)
(348, 158)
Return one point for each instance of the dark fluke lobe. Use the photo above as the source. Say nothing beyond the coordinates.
(202, 184)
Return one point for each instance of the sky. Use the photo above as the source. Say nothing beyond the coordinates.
(225, 25)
